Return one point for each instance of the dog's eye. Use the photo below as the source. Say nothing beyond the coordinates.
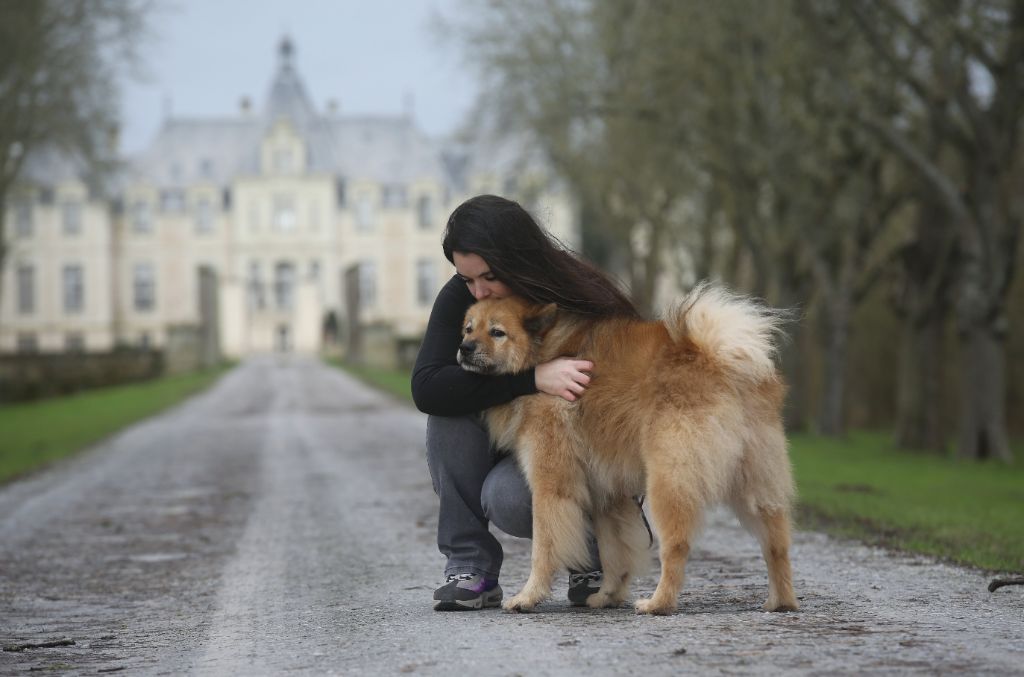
(497, 333)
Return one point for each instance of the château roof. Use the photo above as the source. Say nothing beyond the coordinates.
(287, 98)
(376, 147)
(46, 165)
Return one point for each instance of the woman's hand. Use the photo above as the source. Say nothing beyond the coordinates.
(563, 376)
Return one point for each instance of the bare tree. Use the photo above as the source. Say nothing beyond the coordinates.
(580, 79)
(59, 63)
(962, 69)
(921, 294)
(821, 135)
(752, 146)
(813, 196)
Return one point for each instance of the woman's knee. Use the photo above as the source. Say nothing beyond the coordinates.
(506, 499)
(457, 447)
(456, 438)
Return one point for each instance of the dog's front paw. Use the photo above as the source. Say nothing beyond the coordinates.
(518, 604)
(600, 600)
(648, 606)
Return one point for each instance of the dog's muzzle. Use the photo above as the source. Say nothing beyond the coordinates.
(470, 360)
(467, 349)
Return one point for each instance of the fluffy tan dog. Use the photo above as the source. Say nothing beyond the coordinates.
(686, 411)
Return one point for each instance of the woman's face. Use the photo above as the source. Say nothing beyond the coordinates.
(477, 275)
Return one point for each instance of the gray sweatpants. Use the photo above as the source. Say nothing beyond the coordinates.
(476, 485)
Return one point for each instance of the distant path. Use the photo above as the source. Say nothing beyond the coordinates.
(284, 521)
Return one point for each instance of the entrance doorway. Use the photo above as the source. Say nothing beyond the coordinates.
(284, 341)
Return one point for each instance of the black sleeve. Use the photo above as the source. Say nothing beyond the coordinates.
(439, 385)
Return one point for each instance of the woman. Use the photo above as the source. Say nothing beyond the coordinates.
(498, 250)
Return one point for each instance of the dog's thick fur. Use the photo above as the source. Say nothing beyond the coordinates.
(686, 411)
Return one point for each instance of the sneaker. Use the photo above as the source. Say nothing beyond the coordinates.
(583, 585)
(463, 592)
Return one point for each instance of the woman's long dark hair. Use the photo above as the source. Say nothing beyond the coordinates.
(530, 261)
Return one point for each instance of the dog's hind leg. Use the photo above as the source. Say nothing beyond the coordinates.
(771, 526)
(623, 541)
(676, 513)
(761, 501)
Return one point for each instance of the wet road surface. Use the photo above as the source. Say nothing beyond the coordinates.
(283, 521)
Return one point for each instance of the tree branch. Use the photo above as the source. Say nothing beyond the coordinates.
(942, 184)
(883, 46)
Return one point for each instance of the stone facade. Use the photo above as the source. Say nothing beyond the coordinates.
(276, 204)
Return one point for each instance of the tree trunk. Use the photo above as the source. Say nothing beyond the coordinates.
(646, 265)
(3, 238)
(704, 266)
(985, 272)
(983, 395)
(923, 301)
(795, 414)
(793, 293)
(836, 316)
(920, 389)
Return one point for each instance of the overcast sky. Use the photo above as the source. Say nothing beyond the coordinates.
(369, 55)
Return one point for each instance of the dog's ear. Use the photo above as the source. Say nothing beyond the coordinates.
(540, 319)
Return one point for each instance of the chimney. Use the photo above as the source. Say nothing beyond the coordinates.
(332, 106)
(245, 104)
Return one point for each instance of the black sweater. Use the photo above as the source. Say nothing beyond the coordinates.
(439, 385)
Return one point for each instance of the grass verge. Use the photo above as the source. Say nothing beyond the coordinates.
(864, 488)
(36, 433)
(391, 381)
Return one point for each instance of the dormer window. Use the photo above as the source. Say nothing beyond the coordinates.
(284, 161)
(72, 217)
(283, 152)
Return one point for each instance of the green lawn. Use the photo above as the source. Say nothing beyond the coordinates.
(970, 513)
(35, 433)
(863, 488)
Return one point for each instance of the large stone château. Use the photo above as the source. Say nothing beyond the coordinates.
(263, 227)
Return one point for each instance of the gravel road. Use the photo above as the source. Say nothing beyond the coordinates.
(283, 521)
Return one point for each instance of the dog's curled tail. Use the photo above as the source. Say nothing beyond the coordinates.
(738, 333)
